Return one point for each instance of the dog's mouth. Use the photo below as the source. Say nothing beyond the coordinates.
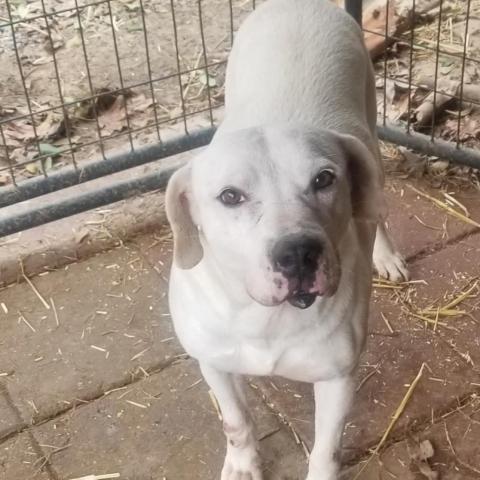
(300, 292)
(302, 299)
(305, 291)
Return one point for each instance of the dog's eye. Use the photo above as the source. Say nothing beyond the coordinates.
(231, 197)
(323, 180)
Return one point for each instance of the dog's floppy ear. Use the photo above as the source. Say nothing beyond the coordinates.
(187, 250)
(368, 201)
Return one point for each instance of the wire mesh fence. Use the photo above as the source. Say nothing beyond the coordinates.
(427, 54)
(89, 77)
(91, 88)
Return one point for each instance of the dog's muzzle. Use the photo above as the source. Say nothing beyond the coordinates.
(298, 258)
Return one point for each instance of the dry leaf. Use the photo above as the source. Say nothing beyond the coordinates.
(413, 164)
(438, 166)
(19, 131)
(4, 179)
(469, 128)
(17, 155)
(424, 451)
(6, 110)
(432, 103)
(73, 42)
(113, 119)
(105, 100)
(55, 43)
(204, 79)
(420, 453)
(426, 470)
(81, 235)
(52, 127)
(139, 103)
(33, 168)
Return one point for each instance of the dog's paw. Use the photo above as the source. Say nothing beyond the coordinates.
(390, 265)
(242, 464)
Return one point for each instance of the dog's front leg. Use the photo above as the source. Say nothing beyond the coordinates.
(242, 460)
(332, 403)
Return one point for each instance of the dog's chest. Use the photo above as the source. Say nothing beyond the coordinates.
(251, 343)
(301, 357)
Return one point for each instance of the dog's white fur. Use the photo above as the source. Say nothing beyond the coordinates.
(300, 96)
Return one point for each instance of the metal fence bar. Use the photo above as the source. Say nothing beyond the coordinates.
(422, 143)
(120, 73)
(149, 69)
(89, 76)
(179, 69)
(66, 120)
(9, 166)
(354, 8)
(65, 178)
(410, 67)
(24, 85)
(462, 75)
(385, 61)
(437, 64)
(61, 208)
(205, 59)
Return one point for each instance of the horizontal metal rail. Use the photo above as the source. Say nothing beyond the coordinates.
(60, 208)
(69, 176)
(423, 144)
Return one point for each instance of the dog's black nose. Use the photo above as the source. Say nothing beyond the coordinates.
(297, 255)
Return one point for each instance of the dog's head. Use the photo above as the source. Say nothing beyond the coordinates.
(270, 206)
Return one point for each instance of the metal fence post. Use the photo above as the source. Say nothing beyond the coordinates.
(354, 8)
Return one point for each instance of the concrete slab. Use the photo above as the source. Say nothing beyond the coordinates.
(449, 273)
(454, 439)
(113, 326)
(157, 249)
(162, 427)
(20, 459)
(9, 421)
(417, 224)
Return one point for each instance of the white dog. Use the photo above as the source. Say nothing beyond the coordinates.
(274, 224)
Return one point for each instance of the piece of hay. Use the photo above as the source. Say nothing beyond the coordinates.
(136, 404)
(458, 460)
(387, 323)
(395, 417)
(22, 318)
(214, 401)
(106, 476)
(35, 291)
(444, 206)
(449, 309)
(54, 312)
